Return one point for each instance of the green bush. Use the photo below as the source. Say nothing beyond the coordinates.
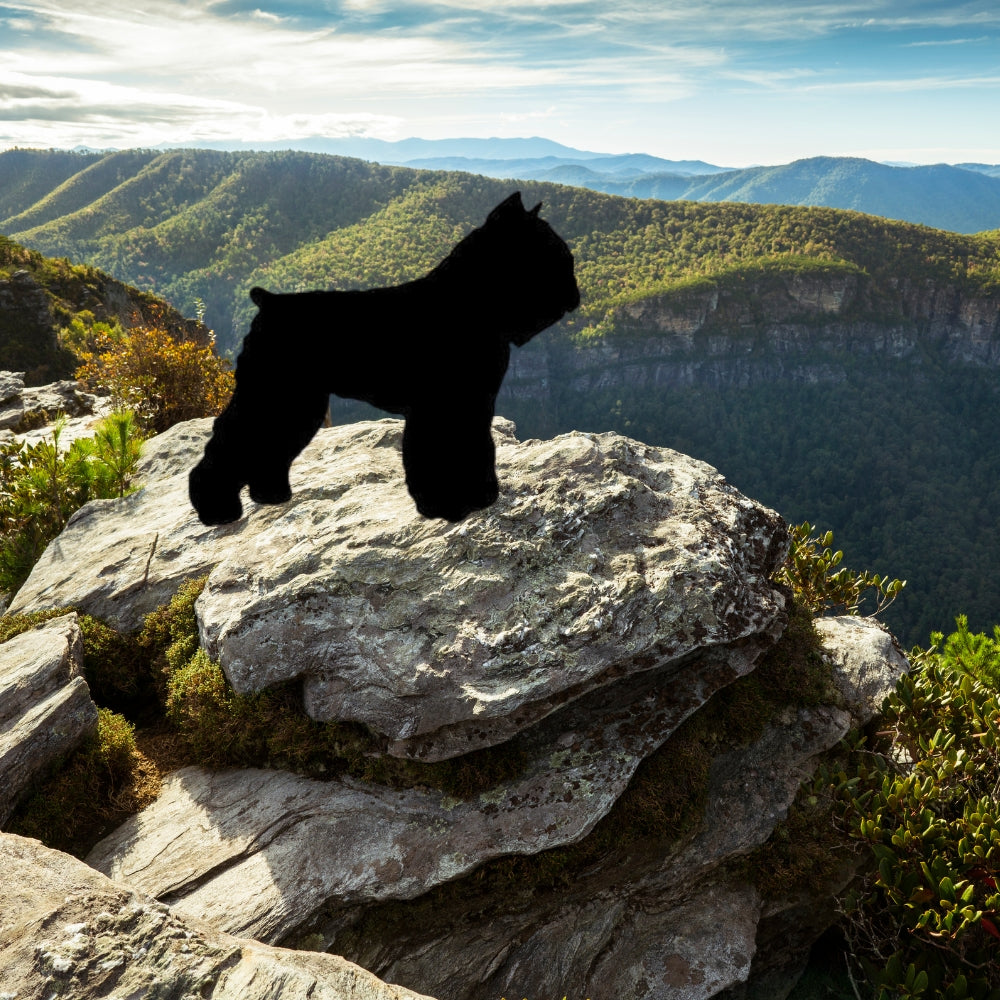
(41, 485)
(926, 920)
(117, 668)
(88, 793)
(977, 655)
(170, 632)
(810, 570)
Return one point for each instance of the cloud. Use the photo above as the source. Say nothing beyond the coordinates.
(947, 41)
(123, 73)
(264, 15)
(901, 85)
(12, 92)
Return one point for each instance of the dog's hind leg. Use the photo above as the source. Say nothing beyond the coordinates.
(276, 409)
(449, 457)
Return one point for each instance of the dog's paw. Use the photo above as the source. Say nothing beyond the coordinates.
(216, 500)
(456, 503)
(271, 489)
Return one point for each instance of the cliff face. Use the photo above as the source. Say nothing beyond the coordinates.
(39, 295)
(782, 326)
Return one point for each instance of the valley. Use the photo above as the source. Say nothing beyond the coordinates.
(840, 367)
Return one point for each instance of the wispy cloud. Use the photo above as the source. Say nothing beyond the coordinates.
(908, 85)
(600, 74)
(934, 42)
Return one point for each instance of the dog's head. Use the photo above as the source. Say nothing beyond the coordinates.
(521, 268)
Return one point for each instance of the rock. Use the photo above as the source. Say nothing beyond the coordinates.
(65, 396)
(11, 404)
(866, 666)
(82, 410)
(607, 597)
(859, 649)
(603, 558)
(289, 859)
(66, 930)
(45, 705)
(239, 847)
(11, 386)
(650, 925)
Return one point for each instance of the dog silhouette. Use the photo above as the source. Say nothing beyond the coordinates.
(434, 350)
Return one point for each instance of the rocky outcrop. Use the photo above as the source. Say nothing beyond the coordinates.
(603, 559)
(45, 705)
(27, 413)
(66, 930)
(607, 598)
(355, 867)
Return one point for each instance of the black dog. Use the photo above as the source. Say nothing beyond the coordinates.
(434, 350)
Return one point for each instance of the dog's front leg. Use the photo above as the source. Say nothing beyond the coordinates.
(449, 457)
(214, 484)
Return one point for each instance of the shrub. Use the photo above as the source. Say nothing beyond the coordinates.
(163, 380)
(171, 632)
(810, 570)
(926, 920)
(41, 485)
(976, 655)
(86, 795)
(117, 668)
(116, 445)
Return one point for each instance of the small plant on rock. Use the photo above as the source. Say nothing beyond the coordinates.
(926, 920)
(811, 571)
(41, 485)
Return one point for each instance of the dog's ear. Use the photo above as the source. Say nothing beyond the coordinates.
(534, 212)
(508, 208)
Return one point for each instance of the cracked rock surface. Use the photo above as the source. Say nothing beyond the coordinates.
(66, 930)
(603, 558)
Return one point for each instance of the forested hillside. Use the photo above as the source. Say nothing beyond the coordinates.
(837, 366)
(40, 296)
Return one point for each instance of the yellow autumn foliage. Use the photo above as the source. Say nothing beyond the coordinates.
(162, 380)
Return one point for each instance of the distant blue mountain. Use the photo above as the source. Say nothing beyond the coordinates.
(963, 199)
(492, 157)
(981, 168)
(404, 150)
(946, 197)
(625, 167)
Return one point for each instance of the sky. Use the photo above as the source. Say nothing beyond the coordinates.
(726, 81)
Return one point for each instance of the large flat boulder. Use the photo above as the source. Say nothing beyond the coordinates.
(241, 847)
(45, 705)
(66, 930)
(603, 558)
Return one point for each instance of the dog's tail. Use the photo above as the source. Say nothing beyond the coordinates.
(260, 295)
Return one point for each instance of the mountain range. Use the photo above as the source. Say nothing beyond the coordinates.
(964, 197)
(838, 366)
